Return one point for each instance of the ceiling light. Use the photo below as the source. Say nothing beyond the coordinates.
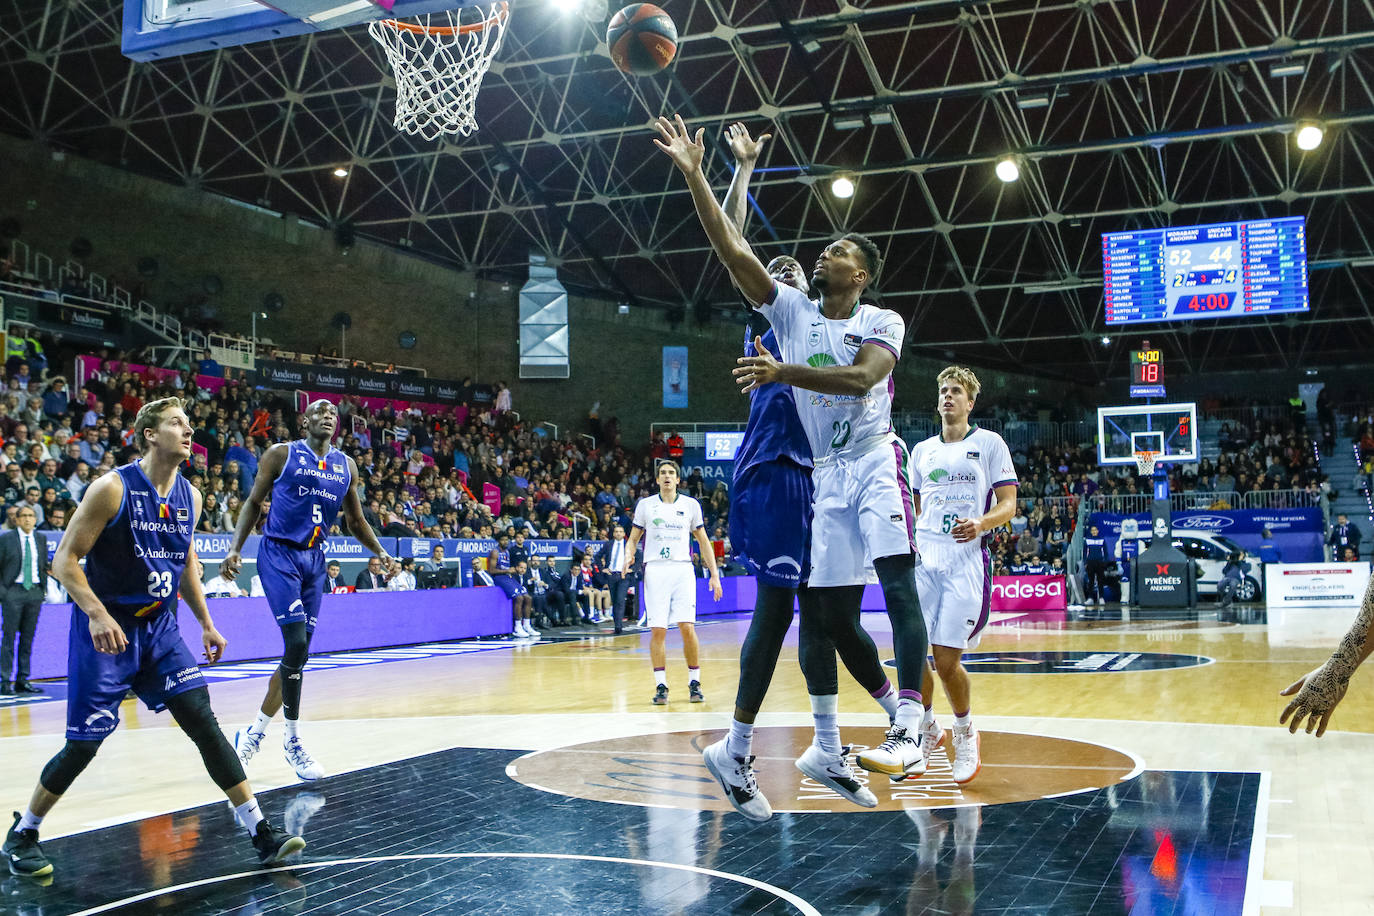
(1037, 100)
(1106, 341)
(882, 116)
(847, 121)
(811, 46)
(341, 172)
(1309, 137)
(1288, 68)
(842, 187)
(1007, 169)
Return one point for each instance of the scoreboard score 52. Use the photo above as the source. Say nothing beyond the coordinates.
(1147, 373)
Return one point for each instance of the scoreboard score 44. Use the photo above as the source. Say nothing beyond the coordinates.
(1147, 373)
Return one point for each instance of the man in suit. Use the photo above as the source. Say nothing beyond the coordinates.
(371, 579)
(560, 595)
(24, 567)
(333, 577)
(1343, 535)
(611, 558)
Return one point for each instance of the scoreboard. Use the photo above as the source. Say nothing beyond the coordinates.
(1147, 373)
(1220, 270)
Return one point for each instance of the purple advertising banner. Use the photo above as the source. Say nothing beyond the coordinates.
(364, 620)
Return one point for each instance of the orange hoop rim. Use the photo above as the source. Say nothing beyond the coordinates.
(500, 11)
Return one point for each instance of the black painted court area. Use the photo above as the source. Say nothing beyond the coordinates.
(450, 833)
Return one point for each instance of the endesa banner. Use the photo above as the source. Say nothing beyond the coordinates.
(1328, 584)
(1029, 593)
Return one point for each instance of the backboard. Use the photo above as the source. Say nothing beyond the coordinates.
(1170, 429)
(158, 29)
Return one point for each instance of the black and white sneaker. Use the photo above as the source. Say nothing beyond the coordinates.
(736, 778)
(275, 845)
(661, 695)
(694, 693)
(832, 770)
(23, 854)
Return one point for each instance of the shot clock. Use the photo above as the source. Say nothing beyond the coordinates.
(1220, 270)
(1147, 373)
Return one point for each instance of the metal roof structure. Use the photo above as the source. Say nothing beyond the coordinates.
(1120, 114)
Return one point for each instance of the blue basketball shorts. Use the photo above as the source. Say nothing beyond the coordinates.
(293, 578)
(770, 522)
(510, 585)
(156, 665)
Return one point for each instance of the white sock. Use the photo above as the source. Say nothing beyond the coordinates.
(259, 726)
(28, 820)
(661, 676)
(888, 701)
(740, 741)
(825, 709)
(964, 721)
(292, 728)
(929, 716)
(249, 815)
(909, 713)
(693, 674)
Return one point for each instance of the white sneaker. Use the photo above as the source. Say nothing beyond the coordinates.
(531, 631)
(300, 759)
(967, 757)
(932, 735)
(898, 755)
(832, 771)
(736, 778)
(246, 744)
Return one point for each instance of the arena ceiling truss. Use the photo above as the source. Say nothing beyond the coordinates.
(1120, 114)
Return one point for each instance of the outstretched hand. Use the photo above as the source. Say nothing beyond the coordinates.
(1318, 693)
(745, 148)
(755, 371)
(686, 151)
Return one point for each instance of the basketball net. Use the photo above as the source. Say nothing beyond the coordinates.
(1145, 461)
(438, 63)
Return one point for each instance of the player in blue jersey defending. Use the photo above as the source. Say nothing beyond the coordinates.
(133, 528)
(770, 524)
(309, 480)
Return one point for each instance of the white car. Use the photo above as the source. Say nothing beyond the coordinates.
(1211, 552)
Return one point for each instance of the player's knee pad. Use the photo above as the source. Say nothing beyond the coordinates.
(295, 647)
(193, 713)
(61, 771)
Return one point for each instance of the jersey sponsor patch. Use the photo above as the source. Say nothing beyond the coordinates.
(971, 455)
(852, 340)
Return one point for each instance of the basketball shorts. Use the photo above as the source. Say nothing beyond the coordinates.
(156, 665)
(510, 585)
(293, 578)
(670, 593)
(863, 511)
(770, 522)
(956, 596)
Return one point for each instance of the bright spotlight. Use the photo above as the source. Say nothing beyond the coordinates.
(568, 6)
(1309, 137)
(1007, 169)
(842, 187)
(1105, 341)
(341, 172)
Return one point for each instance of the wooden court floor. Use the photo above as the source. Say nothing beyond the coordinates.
(1078, 703)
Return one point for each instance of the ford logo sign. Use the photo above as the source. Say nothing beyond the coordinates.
(1204, 522)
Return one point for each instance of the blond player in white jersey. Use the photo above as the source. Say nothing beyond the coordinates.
(965, 487)
(667, 523)
(838, 355)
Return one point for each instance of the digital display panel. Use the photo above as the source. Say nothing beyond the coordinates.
(1147, 374)
(1220, 270)
(723, 446)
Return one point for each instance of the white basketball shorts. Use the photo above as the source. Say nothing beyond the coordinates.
(670, 593)
(956, 598)
(863, 511)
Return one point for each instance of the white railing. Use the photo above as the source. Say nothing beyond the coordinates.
(1282, 499)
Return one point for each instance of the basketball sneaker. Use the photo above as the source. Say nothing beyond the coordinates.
(661, 695)
(899, 755)
(967, 757)
(833, 771)
(23, 854)
(694, 693)
(736, 778)
(246, 744)
(531, 631)
(275, 845)
(300, 759)
(932, 735)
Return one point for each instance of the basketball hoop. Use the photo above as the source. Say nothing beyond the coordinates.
(438, 62)
(1145, 461)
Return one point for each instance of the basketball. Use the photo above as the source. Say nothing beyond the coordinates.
(642, 39)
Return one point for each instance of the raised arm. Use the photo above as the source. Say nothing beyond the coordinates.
(746, 151)
(687, 152)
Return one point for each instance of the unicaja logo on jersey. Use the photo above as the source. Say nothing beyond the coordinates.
(817, 360)
(937, 475)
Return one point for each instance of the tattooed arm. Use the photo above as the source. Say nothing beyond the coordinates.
(1320, 690)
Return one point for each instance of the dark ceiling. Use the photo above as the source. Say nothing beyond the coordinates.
(1158, 113)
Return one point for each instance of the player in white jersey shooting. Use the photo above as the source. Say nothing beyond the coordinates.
(839, 354)
(965, 487)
